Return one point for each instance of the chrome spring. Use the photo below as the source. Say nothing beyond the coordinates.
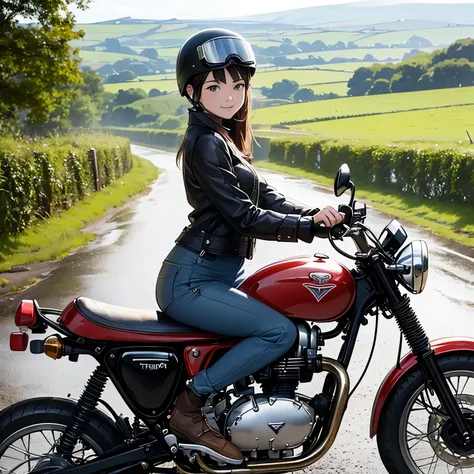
(85, 406)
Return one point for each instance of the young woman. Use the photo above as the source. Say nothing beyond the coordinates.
(232, 207)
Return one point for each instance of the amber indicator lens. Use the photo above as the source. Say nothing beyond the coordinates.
(53, 347)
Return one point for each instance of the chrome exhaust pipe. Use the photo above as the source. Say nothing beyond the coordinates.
(306, 459)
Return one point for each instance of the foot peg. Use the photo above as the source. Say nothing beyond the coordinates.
(190, 448)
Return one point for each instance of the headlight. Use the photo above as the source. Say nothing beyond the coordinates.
(415, 258)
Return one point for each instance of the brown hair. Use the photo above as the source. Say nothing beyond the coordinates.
(240, 135)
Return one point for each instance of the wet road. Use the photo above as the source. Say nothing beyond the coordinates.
(121, 268)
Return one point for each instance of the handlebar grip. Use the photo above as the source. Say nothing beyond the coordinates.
(320, 231)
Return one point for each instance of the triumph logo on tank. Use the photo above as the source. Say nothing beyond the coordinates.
(319, 292)
(320, 278)
(158, 366)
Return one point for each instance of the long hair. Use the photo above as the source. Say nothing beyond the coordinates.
(240, 137)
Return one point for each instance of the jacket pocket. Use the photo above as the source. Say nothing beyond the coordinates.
(165, 284)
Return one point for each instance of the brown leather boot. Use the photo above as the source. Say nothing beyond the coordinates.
(187, 421)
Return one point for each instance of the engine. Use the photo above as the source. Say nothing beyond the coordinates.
(283, 376)
(273, 424)
(278, 420)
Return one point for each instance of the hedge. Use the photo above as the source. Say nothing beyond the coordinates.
(171, 140)
(444, 174)
(40, 177)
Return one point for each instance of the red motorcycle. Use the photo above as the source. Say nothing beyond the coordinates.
(423, 414)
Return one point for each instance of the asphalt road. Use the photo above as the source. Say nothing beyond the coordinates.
(122, 265)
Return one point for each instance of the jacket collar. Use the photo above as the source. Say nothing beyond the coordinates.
(203, 119)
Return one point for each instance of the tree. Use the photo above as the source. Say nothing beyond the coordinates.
(112, 45)
(123, 116)
(125, 97)
(406, 78)
(318, 45)
(150, 53)
(126, 76)
(139, 68)
(155, 93)
(304, 46)
(281, 90)
(38, 67)
(360, 83)
(304, 95)
(381, 86)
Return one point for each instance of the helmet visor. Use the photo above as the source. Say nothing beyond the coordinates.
(220, 50)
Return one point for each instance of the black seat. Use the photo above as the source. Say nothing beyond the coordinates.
(130, 319)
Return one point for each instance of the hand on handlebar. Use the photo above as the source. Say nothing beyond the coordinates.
(329, 217)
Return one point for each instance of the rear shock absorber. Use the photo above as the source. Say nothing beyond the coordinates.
(85, 406)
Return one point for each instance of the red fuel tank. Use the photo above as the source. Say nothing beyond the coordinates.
(310, 288)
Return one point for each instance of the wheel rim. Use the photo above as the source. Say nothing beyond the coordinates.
(421, 440)
(21, 452)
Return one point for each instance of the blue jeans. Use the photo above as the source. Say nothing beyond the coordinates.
(200, 292)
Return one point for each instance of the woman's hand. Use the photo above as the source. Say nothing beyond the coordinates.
(329, 217)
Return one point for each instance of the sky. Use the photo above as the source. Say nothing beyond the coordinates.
(101, 10)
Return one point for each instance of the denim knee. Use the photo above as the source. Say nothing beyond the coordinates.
(288, 336)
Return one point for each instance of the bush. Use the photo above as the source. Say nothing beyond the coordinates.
(37, 179)
(295, 154)
(276, 151)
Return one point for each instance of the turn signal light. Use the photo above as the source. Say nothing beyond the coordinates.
(53, 347)
(18, 341)
(25, 314)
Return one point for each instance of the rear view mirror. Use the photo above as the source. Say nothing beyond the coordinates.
(343, 180)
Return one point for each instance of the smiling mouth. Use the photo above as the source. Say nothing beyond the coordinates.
(231, 107)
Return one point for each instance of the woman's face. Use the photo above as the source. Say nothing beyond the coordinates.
(222, 99)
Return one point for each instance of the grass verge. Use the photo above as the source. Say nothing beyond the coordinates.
(54, 238)
(450, 220)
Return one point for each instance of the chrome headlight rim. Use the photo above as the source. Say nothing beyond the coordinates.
(415, 258)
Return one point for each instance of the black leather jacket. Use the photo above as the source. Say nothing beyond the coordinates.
(232, 205)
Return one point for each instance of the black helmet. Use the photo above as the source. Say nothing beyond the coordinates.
(210, 49)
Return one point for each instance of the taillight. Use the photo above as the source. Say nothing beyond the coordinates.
(18, 341)
(25, 314)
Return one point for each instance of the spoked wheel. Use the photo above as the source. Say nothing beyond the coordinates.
(33, 449)
(30, 432)
(415, 434)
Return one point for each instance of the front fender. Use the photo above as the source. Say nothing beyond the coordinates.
(440, 346)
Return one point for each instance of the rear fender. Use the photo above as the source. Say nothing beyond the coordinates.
(440, 346)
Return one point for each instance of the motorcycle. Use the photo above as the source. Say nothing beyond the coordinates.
(423, 414)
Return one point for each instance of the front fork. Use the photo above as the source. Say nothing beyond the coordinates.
(419, 344)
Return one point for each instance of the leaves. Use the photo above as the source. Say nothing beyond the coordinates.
(38, 67)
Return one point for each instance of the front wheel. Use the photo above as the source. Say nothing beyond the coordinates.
(415, 436)
(30, 431)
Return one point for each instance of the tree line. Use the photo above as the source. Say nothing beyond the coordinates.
(450, 67)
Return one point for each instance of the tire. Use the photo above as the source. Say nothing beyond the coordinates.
(393, 424)
(30, 417)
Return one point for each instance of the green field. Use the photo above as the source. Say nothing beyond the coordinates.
(327, 38)
(96, 59)
(378, 53)
(301, 76)
(181, 34)
(437, 36)
(366, 104)
(101, 32)
(348, 67)
(339, 88)
(446, 124)
(164, 105)
(168, 86)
